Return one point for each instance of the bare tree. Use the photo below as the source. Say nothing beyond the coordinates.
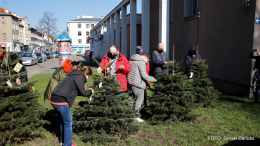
(49, 23)
(64, 32)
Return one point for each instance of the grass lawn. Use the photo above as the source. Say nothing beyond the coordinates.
(227, 118)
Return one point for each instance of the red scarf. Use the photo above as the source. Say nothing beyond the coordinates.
(193, 57)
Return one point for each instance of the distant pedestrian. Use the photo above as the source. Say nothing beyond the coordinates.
(90, 56)
(159, 58)
(137, 78)
(192, 55)
(256, 78)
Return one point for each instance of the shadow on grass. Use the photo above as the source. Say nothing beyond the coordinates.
(255, 142)
(231, 99)
(90, 64)
(51, 117)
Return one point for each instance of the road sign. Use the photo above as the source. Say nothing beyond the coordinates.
(257, 20)
(96, 38)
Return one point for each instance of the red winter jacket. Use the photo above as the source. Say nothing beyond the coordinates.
(147, 71)
(122, 60)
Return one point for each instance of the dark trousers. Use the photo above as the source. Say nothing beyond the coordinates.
(256, 96)
(145, 98)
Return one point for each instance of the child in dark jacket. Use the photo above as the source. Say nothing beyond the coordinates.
(63, 96)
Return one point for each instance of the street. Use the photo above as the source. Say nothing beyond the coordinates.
(50, 65)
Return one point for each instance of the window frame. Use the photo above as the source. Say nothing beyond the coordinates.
(87, 33)
(4, 36)
(79, 41)
(79, 33)
(189, 6)
(87, 25)
(79, 25)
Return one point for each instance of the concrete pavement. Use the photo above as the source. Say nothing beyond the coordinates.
(50, 66)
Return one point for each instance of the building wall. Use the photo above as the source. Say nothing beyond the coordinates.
(154, 24)
(225, 39)
(138, 37)
(7, 29)
(26, 32)
(73, 32)
(11, 30)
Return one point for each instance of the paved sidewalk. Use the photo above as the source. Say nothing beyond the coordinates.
(50, 66)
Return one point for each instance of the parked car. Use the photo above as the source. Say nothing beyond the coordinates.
(29, 59)
(48, 55)
(39, 56)
(79, 53)
(54, 55)
(20, 53)
(87, 52)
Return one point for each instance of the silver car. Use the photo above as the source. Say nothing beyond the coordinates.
(54, 55)
(29, 59)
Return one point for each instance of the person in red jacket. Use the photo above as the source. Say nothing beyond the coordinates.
(120, 65)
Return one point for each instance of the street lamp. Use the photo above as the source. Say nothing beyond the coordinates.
(30, 44)
(42, 27)
(53, 35)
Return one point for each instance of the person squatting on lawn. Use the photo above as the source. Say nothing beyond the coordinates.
(256, 78)
(139, 51)
(191, 56)
(120, 65)
(63, 96)
(57, 76)
(137, 77)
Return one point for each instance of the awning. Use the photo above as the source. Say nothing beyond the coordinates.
(86, 46)
(2, 44)
(80, 46)
(74, 46)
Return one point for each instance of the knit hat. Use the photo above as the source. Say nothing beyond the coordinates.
(139, 47)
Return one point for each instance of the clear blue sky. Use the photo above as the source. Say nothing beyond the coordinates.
(63, 10)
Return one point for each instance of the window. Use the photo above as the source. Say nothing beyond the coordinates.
(190, 8)
(3, 17)
(13, 36)
(87, 33)
(87, 25)
(79, 33)
(4, 36)
(3, 24)
(79, 41)
(92, 25)
(79, 25)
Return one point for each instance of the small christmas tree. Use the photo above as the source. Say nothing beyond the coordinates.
(202, 86)
(108, 116)
(172, 98)
(20, 111)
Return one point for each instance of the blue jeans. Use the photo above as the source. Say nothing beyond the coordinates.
(65, 122)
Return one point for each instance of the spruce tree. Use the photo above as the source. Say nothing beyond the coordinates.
(108, 116)
(172, 98)
(202, 86)
(20, 112)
